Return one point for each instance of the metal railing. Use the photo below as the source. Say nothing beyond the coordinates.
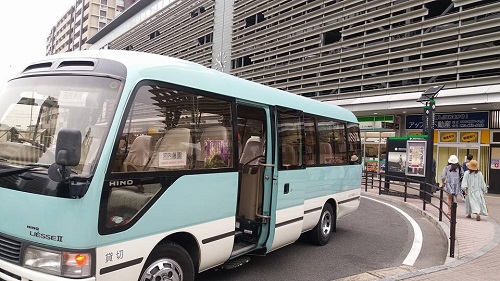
(402, 186)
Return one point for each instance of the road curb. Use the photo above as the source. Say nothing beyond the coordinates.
(442, 226)
(378, 274)
(449, 262)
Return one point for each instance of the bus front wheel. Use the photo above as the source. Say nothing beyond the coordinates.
(168, 261)
(321, 233)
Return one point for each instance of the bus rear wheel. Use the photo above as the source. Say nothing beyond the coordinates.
(321, 233)
(168, 262)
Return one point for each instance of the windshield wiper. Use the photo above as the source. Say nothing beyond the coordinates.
(15, 171)
(46, 166)
(34, 165)
(29, 167)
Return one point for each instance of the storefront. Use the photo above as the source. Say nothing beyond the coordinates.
(374, 133)
(494, 164)
(457, 134)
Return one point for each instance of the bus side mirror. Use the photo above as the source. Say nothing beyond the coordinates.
(68, 147)
(68, 150)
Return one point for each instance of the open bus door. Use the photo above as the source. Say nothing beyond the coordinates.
(254, 215)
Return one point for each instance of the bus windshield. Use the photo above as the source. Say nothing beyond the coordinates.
(34, 109)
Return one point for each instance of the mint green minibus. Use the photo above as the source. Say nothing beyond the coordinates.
(120, 165)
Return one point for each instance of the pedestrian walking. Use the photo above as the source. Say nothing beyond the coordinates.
(452, 173)
(467, 160)
(474, 186)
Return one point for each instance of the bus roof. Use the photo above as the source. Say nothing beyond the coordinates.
(190, 74)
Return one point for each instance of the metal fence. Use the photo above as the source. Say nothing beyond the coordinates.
(410, 188)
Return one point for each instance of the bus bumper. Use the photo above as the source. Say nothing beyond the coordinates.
(13, 272)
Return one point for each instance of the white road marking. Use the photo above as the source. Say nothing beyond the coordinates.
(417, 235)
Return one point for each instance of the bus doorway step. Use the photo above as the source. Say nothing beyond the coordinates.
(234, 263)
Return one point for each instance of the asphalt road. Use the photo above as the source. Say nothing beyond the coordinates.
(374, 237)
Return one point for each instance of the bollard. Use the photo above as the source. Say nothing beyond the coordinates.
(440, 204)
(380, 187)
(424, 202)
(406, 189)
(453, 222)
(366, 180)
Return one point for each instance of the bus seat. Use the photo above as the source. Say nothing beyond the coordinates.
(214, 133)
(252, 149)
(251, 179)
(124, 198)
(132, 197)
(175, 146)
(309, 155)
(325, 153)
(139, 154)
(288, 156)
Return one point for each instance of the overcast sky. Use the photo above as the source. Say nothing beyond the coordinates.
(24, 27)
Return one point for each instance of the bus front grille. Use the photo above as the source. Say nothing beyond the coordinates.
(10, 249)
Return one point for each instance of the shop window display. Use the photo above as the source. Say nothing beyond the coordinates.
(375, 149)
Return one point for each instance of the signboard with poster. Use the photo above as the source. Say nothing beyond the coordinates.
(172, 159)
(216, 153)
(472, 137)
(495, 163)
(446, 136)
(72, 98)
(415, 158)
(395, 160)
(456, 120)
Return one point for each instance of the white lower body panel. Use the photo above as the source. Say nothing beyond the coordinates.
(291, 222)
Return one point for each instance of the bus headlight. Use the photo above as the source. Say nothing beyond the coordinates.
(58, 263)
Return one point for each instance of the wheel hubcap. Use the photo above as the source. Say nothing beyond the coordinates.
(163, 270)
(326, 223)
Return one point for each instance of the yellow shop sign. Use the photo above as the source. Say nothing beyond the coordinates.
(449, 137)
(468, 137)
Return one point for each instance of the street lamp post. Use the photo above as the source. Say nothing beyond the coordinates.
(427, 99)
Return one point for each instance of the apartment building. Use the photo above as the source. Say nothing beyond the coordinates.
(372, 57)
(61, 34)
(82, 21)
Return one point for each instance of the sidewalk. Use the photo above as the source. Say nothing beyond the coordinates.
(477, 245)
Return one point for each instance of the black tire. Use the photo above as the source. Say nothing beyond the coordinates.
(321, 233)
(168, 260)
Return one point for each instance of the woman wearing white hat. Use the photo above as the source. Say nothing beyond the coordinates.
(474, 186)
(354, 160)
(451, 179)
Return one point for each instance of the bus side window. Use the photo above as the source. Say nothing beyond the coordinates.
(354, 139)
(125, 202)
(291, 138)
(309, 140)
(333, 142)
(340, 153)
(186, 131)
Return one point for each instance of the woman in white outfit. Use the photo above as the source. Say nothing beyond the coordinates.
(474, 186)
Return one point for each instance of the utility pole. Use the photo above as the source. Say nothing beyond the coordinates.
(427, 99)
